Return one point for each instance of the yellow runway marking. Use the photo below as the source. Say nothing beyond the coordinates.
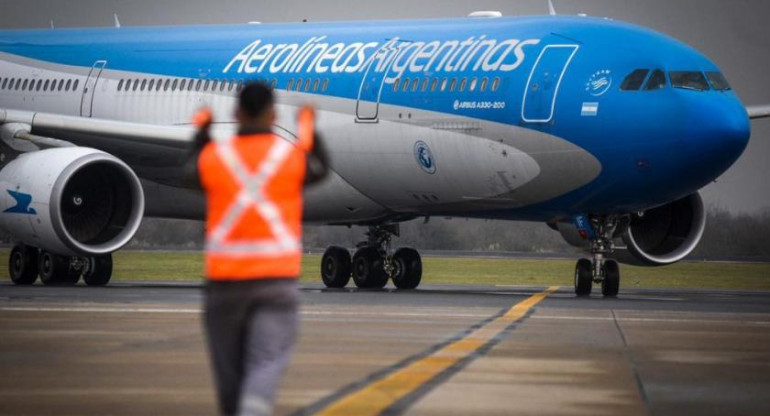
(383, 393)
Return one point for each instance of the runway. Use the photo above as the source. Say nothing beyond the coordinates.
(137, 348)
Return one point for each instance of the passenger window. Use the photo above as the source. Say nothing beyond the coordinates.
(396, 83)
(484, 82)
(415, 84)
(433, 85)
(689, 80)
(5, 83)
(298, 85)
(182, 84)
(24, 86)
(39, 85)
(462, 84)
(174, 85)
(453, 85)
(288, 86)
(718, 81)
(444, 83)
(222, 85)
(325, 85)
(61, 84)
(166, 84)
(68, 85)
(316, 84)
(198, 85)
(472, 87)
(307, 85)
(47, 83)
(405, 86)
(634, 80)
(136, 85)
(190, 83)
(144, 84)
(151, 85)
(120, 84)
(75, 85)
(239, 88)
(657, 81)
(496, 84)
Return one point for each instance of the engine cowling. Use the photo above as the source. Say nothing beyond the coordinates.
(664, 235)
(658, 237)
(71, 201)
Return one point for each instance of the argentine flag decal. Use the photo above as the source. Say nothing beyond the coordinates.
(590, 110)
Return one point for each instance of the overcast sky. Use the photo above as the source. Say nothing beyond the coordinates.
(734, 33)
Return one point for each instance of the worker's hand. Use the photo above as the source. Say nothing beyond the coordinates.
(203, 118)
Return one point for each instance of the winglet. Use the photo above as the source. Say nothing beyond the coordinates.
(758, 111)
(551, 9)
(117, 22)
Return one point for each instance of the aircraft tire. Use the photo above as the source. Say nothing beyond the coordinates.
(368, 270)
(55, 270)
(22, 265)
(583, 277)
(99, 271)
(336, 267)
(408, 272)
(611, 282)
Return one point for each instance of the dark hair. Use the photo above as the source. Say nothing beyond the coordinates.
(255, 99)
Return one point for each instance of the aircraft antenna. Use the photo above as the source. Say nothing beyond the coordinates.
(551, 9)
(117, 21)
(52, 26)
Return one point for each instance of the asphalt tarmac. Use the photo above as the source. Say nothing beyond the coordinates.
(137, 348)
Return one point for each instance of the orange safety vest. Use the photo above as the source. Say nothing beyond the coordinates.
(253, 186)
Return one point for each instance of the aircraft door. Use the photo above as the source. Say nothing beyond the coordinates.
(86, 103)
(544, 81)
(373, 82)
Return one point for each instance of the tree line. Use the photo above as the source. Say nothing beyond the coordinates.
(727, 236)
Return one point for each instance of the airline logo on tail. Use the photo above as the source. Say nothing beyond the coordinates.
(395, 56)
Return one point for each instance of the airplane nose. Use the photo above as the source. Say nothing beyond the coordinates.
(719, 133)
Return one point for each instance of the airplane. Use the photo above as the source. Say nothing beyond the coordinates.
(601, 129)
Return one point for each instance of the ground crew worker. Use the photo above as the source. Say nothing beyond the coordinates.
(253, 185)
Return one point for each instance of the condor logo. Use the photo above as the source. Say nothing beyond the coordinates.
(22, 204)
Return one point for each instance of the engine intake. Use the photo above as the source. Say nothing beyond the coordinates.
(666, 234)
(80, 201)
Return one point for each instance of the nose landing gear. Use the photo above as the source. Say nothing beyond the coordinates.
(599, 269)
(373, 263)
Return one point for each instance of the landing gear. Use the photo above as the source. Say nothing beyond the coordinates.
(599, 269)
(22, 265)
(57, 270)
(26, 263)
(335, 267)
(408, 268)
(98, 270)
(373, 263)
(369, 269)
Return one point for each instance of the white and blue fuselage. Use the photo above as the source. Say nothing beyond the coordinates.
(530, 118)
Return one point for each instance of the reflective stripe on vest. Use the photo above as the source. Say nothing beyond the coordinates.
(253, 194)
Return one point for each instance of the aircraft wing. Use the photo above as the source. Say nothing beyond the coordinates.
(125, 140)
(758, 111)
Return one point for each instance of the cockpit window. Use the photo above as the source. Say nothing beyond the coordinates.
(689, 80)
(634, 80)
(657, 81)
(718, 81)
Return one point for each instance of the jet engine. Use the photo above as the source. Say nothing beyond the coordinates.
(656, 237)
(70, 201)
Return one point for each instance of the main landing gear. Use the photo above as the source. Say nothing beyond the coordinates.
(599, 269)
(373, 263)
(26, 263)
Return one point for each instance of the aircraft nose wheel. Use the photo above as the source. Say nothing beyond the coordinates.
(336, 267)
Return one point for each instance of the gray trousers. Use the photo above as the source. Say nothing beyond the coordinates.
(251, 327)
